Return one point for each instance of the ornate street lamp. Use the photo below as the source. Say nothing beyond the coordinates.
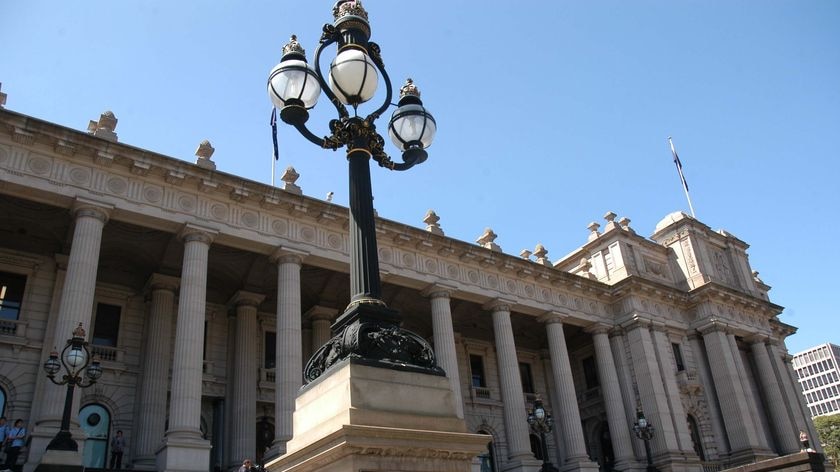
(542, 423)
(368, 331)
(75, 358)
(644, 431)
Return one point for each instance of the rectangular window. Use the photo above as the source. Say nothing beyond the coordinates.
(11, 295)
(808, 396)
(678, 357)
(590, 372)
(527, 377)
(270, 350)
(106, 327)
(810, 384)
(477, 370)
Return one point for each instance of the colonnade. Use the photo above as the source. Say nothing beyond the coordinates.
(653, 386)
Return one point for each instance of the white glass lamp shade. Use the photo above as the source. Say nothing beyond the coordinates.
(75, 357)
(539, 413)
(293, 79)
(411, 126)
(353, 77)
(94, 371)
(643, 422)
(52, 366)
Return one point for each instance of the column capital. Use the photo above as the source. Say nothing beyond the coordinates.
(192, 232)
(90, 208)
(757, 338)
(162, 282)
(284, 255)
(637, 322)
(713, 325)
(553, 316)
(319, 312)
(244, 298)
(438, 290)
(598, 328)
(498, 304)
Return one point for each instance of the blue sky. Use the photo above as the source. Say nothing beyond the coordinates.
(549, 114)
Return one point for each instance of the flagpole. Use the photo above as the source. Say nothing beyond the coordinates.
(682, 177)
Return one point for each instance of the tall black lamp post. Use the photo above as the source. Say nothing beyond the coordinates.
(542, 423)
(368, 331)
(644, 431)
(75, 358)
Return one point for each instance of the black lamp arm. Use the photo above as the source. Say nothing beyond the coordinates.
(375, 54)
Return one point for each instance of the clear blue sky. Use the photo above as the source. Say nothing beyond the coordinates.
(549, 114)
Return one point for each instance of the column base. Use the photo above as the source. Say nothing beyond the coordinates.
(183, 454)
(522, 465)
(582, 465)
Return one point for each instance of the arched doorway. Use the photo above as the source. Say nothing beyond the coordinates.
(606, 458)
(265, 436)
(696, 440)
(96, 424)
(488, 459)
(536, 447)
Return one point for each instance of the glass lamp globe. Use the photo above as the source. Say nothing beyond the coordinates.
(539, 413)
(411, 125)
(75, 357)
(353, 76)
(293, 82)
(94, 371)
(52, 365)
(642, 422)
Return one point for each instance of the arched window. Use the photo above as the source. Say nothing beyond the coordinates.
(694, 430)
(488, 459)
(96, 424)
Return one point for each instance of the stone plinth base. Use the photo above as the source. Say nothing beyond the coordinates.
(361, 418)
(183, 455)
(60, 461)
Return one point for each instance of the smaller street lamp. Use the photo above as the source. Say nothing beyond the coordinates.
(644, 431)
(75, 358)
(541, 423)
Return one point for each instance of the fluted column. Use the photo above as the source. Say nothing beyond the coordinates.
(678, 424)
(516, 428)
(321, 318)
(568, 415)
(76, 298)
(187, 365)
(622, 361)
(803, 420)
(613, 403)
(243, 436)
(151, 405)
(730, 391)
(782, 427)
(749, 394)
(444, 337)
(288, 378)
(705, 375)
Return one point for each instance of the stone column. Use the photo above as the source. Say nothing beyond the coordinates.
(444, 337)
(622, 360)
(76, 299)
(75, 305)
(801, 414)
(613, 403)
(652, 394)
(730, 391)
(243, 432)
(515, 413)
(154, 386)
(749, 394)
(321, 318)
(705, 375)
(288, 378)
(184, 448)
(667, 370)
(568, 415)
(782, 428)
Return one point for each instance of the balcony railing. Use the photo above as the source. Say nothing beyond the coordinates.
(481, 393)
(15, 328)
(267, 375)
(107, 353)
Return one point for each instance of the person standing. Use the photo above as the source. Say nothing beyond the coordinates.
(117, 448)
(247, 466)
(15, 439)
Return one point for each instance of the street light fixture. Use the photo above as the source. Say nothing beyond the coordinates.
(368, 331)
(75, 358)
(644, 431)
(542, 423)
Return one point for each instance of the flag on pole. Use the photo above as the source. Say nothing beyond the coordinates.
(682, 177)
(678, 164)
(274, 132)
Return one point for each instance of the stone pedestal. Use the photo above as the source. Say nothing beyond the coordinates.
(183, 455)
(60, 461)
(361, 418)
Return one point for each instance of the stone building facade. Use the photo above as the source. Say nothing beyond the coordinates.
(203, 293)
